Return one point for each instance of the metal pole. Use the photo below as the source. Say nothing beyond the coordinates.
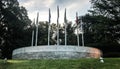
(78, 36)
(32, 38)
(82, 33)
(57, 34)
(33, 25)
(65, 36)
(48, 35)
(82, 39)
(49, 27)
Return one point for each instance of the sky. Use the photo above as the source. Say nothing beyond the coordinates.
(42, 6)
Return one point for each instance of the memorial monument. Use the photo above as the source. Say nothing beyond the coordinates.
(56, 51)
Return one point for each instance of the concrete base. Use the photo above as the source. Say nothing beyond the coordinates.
(56, 52)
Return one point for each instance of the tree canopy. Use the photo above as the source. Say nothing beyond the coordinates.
(102, 25)
(13, 23)
(110, 11)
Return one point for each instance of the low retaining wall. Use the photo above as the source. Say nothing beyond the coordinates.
(55, 52)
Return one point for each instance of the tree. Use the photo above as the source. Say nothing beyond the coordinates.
(103, 20)
(102, 24)
(71, 37)
(110, 10)
(43, 33)
(14, 25)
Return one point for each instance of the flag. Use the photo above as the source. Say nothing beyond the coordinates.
(33, 25)
(37, 19)
(65, 20)
(57, 14)
(49, 16)
(76, 18)
(58, 11)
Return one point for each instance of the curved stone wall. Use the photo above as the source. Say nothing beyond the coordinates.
(55, 52)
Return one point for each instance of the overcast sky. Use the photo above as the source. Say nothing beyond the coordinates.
(42, 6)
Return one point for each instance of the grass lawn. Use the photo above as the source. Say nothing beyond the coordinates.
(110, 63)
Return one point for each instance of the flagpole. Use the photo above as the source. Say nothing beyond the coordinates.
(37, 29)
(48, 35)
(77, 28)
(32, 38)
(65, 21)
(57, 25)
(82, 33)
(33, 33)
(65, 36)
(49, 27)
(78, 35)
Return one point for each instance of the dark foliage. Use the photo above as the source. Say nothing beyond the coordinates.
(14, 24)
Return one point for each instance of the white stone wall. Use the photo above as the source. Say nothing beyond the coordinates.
(52, 52)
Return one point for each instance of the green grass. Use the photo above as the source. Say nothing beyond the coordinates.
(110, 63)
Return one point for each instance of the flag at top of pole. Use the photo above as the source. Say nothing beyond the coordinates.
(65, 19)
(58, 11)
(49, 15)
(76, 18)
(57, 14)
(37, 18)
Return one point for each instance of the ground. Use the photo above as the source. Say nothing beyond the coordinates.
(109, 63)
